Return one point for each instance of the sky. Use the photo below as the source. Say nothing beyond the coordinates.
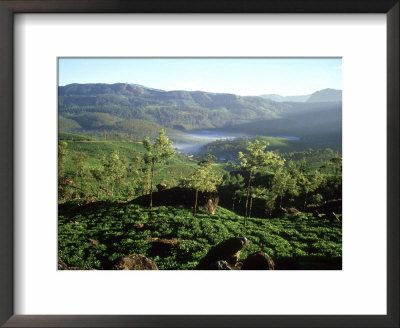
(242, 76)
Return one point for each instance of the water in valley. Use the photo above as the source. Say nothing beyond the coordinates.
(191, 141)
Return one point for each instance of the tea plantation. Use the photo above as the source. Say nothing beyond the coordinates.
(93, 235)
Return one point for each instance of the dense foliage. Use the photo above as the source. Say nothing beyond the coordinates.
(228, 149)
(315, 241)
(258, 189)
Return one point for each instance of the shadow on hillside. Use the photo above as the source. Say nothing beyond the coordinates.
(181, 196)
(308, 263)
(75, 207)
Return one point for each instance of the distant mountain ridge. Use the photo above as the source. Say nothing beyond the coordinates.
(325, 95)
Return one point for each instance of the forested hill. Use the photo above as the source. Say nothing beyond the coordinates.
(174, 109)
(106, 104)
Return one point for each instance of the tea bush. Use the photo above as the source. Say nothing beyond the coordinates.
(112, 226)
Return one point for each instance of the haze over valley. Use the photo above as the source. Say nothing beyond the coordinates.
(193, 119)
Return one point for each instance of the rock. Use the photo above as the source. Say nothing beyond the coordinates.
(258, 261)
(223, 265)
(93, 242)
(181, 196)
(236, 266)
(134, 262)
(218, 265)
(62, 265)
(161, 186)
(228, 250)
(293, 210)
(210, 206)
(138, 225)
(89, 200)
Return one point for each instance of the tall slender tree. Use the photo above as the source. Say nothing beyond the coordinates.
(80, 162)
(309, 184)
(256, 158)
(233, 185)
(97, 172)
(280, 184)
(203, 179)
(158, 152)
(114, 172)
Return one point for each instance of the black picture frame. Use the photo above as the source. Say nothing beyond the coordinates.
(7, 10)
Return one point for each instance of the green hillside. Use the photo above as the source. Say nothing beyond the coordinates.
(95, 106)
(95, 149)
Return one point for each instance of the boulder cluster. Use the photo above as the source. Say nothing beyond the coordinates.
(223, 256)
(134, 262)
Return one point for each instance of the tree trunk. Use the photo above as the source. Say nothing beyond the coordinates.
(195, 203)
(305, 202)
(247, 197)
(280, 203)
(251, 205)
(151, 186)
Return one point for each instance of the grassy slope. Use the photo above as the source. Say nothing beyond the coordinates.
(177, 167)
(315, 240)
